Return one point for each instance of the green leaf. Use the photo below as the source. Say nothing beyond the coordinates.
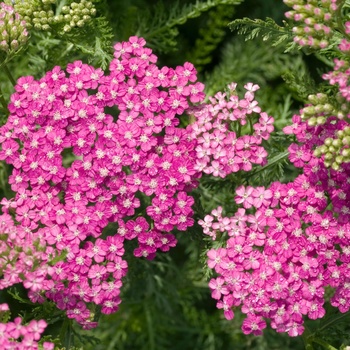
(267, 30)
(158, 25)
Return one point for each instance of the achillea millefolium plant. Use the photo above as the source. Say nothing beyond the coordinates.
(169, 184)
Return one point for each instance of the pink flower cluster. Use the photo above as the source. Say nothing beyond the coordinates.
(14, 335)
(77, 169)
(287, 243)
(279, 257)
(315, 18)
(25, 257)
(223, 149)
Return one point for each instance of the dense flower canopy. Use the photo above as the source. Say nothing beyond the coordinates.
(287, 243)
(78, 168)
(100, 157)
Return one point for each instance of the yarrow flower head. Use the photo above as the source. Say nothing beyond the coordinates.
(78, 168)
(286, 244)
(279, 257)
(15, 335)
(222, 148)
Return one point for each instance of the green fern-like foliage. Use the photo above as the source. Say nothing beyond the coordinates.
(278, 165)
(94, 39)
(168, 306)
(211, 34)
(251, 61)
(159, 24)
(302, 85)
(268, 30)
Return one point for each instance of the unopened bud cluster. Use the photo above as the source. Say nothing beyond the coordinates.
(320, 110)
(41, 16)
(321, 106)
(77, 14)
(335, 150)
(37, 14)
(13, 31)
(325, 109)
(315, 21)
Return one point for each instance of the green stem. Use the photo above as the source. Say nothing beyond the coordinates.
(324, 344)
(66, 334)
(273, 161)
(9, 75)
(4, 175)
(306, 340)
(150, 328)
(324, 59)
(251, 125)
(59, 7)
(336, 319)
(3, 101)
(239, 130)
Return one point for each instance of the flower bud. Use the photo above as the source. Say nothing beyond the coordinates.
(337, 143)
(328, 108)
(313, 99)
(42, 14)
(335, 166)
(321, 120)
(3, 45)
(310, 110)
(13, 32)
(65, 9)
(346, 152)
(317, 152)
(14, 45)
(58, 19)
(340, 115)
(67, 28)
(346, 140)
(328, 141)
(339, 159)
(328, 156)
(309, 21)
(38, 26)
(319, 109)
(323, 149)
(312, 121)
